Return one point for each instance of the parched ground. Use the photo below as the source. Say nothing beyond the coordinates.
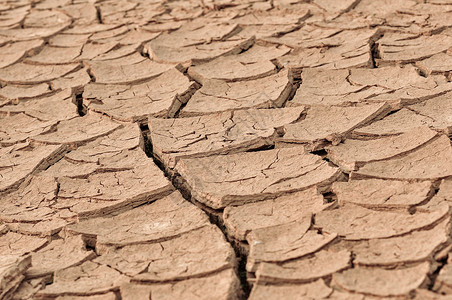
(225, 149)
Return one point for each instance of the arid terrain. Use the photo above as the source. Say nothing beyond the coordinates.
(225, 149)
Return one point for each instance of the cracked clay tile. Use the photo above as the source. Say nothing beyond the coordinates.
(321, 264)
(227, 132)
(223, 285)
(280, 243)
(58, 255)
(198, 253)
(402, 250)
(219, 181)
(12, 268)
(431, 161)
(160, 96)
(20, 160)
(313, 290)
(381, 282)
(110, 72)
(91, 278)
(249, 65)
(315, 133)
(352, 154)
(217, 96)
(382, 194)
(244, 219)
(355, 223)
(165, 218)
(22, 73)
(78, 131)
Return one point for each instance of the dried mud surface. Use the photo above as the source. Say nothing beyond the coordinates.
(225, 149)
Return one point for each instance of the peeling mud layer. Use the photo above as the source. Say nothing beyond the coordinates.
(225, 149)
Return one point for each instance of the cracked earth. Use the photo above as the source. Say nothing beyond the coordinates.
(225, 149)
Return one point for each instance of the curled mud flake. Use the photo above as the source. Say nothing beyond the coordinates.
(110, 72)
(237, 179)
(284, 242)
(91, 278)
(327, 48)
(12, 52)
(20, 160)
(12, 269)
(75, 81)
(28, 288)
(218, 96)
(396, 86)
(414, 247)
(78, 131)
(159, 50)
(195, 41)
(109, 192)
(12, 243)
(57, 107)
(382, 282)
(432, 161)
(437, 109)
(244, 219)
(402, 121)
(17, 128)
(321, 264)
(395, 47)
(22, 73)
(315, 290)
(226, 132)
(161, 220)
(382, 194)
(162, 97)
(250, 65)
(223, 285)
(353, 154)
(440, 63)
(178, 258)
(354, 222)
(57, 255)
(315, 133)
(17, 93)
